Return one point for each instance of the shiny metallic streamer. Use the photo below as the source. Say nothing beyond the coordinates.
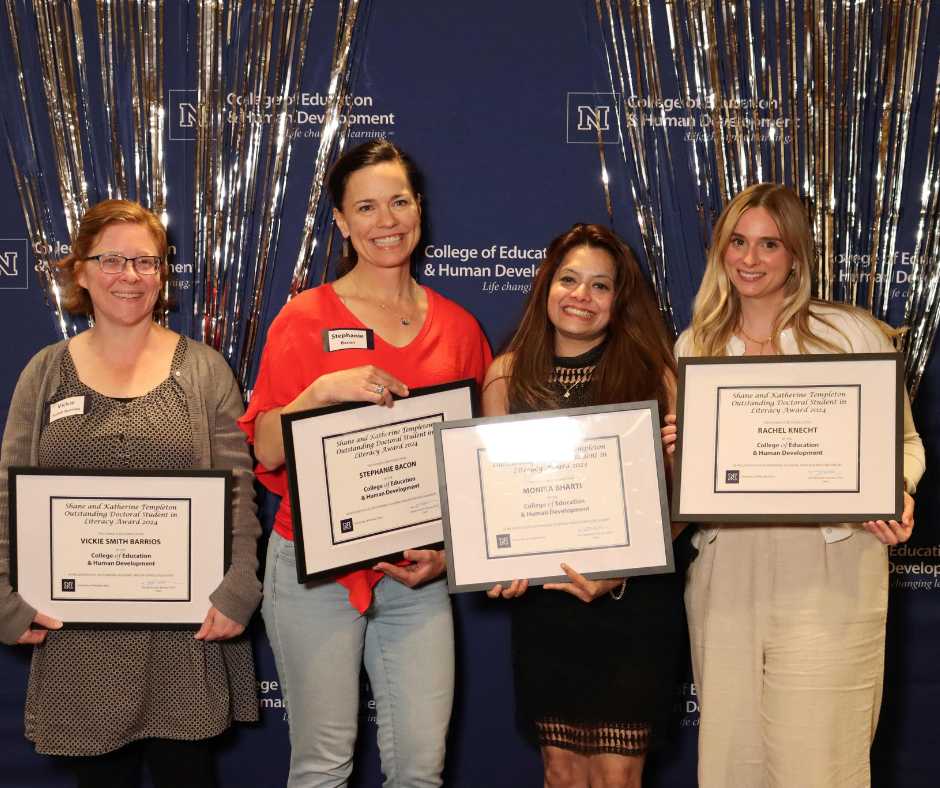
(274, 177)
(909, 72)
(75, 176)
(19, 131)
(630, 52)
(131, 41)
(850, 73)
(250, 59)
(114, 146)
(700, 164)
(922, 310)
(332, 139)
(57, 31)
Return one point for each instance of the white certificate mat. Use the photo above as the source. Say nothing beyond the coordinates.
(523, 494)
(129, 549)
(814, 438)
(363, 478)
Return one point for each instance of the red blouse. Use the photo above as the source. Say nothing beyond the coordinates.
(450, 346)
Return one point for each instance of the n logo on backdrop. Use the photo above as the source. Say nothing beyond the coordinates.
(188, 115)
(14, 264)
(184, 114)
(591, 115)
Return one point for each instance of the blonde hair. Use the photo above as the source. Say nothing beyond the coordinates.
(716, 312)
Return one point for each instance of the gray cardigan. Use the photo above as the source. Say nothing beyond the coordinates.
(214, 403)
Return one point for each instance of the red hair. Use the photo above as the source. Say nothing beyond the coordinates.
(75, 298)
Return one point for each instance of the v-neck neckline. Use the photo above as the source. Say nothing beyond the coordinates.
(425, 326)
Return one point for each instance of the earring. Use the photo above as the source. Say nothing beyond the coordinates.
(345, 249)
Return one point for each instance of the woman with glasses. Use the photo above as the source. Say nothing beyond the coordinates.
(139, 397)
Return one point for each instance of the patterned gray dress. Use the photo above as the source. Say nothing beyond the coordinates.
(93, 691)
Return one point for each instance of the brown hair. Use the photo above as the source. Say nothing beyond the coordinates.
(75, 298)
(638, 355)
(373, 152)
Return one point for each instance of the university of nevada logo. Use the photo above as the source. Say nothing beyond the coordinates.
(14, 264)
(68, 584)
(732, 477)
(503, 540)
(184, 114)
(345, 525)
(592, 116)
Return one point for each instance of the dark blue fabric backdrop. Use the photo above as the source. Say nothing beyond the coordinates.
(478, 92)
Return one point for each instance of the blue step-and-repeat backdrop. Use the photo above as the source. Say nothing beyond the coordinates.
(501, 104)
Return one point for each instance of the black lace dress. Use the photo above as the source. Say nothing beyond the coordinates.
(599, 677)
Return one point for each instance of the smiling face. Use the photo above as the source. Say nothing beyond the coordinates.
(756, 260)
(380, 215)
(580, 299)
(126, 298)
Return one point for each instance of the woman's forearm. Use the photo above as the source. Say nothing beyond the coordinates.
(269, 439)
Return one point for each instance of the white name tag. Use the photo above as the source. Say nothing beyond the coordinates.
(347, 339)
(72, 406)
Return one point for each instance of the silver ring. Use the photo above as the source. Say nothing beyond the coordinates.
(379, 388)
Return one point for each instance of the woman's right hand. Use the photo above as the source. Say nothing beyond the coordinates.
(669, 433)
(32, 637)
(514, 589)
(367, 383)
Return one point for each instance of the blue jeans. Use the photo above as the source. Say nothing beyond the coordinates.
(406, 641)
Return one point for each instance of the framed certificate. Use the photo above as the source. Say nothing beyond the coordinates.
(126, 549)
(523, 494)
(363, 478)
(790, 439)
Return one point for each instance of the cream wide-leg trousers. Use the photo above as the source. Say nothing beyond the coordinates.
(787, 637)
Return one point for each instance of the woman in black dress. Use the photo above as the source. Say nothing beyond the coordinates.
(593, 681)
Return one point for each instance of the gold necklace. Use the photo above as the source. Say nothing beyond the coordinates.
(759, 342)
(580, 375)
(569, 389)
(403, 319)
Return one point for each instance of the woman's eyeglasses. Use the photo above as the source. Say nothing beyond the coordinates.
(110, 263)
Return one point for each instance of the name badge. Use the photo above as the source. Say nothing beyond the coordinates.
(347, 339)
(71, 406)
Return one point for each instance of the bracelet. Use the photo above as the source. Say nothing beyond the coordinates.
(619, 595)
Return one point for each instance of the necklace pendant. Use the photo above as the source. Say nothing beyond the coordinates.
(405, 321)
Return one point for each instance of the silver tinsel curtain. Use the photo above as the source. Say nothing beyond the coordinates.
(77, 140)
(86, 120)
(715, 95)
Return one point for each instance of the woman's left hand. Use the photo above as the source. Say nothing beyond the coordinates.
(669, 433)
(892, 531)
(425, 566)
(584, 589)
(218, 626)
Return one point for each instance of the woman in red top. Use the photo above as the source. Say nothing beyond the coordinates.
(396, 620)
